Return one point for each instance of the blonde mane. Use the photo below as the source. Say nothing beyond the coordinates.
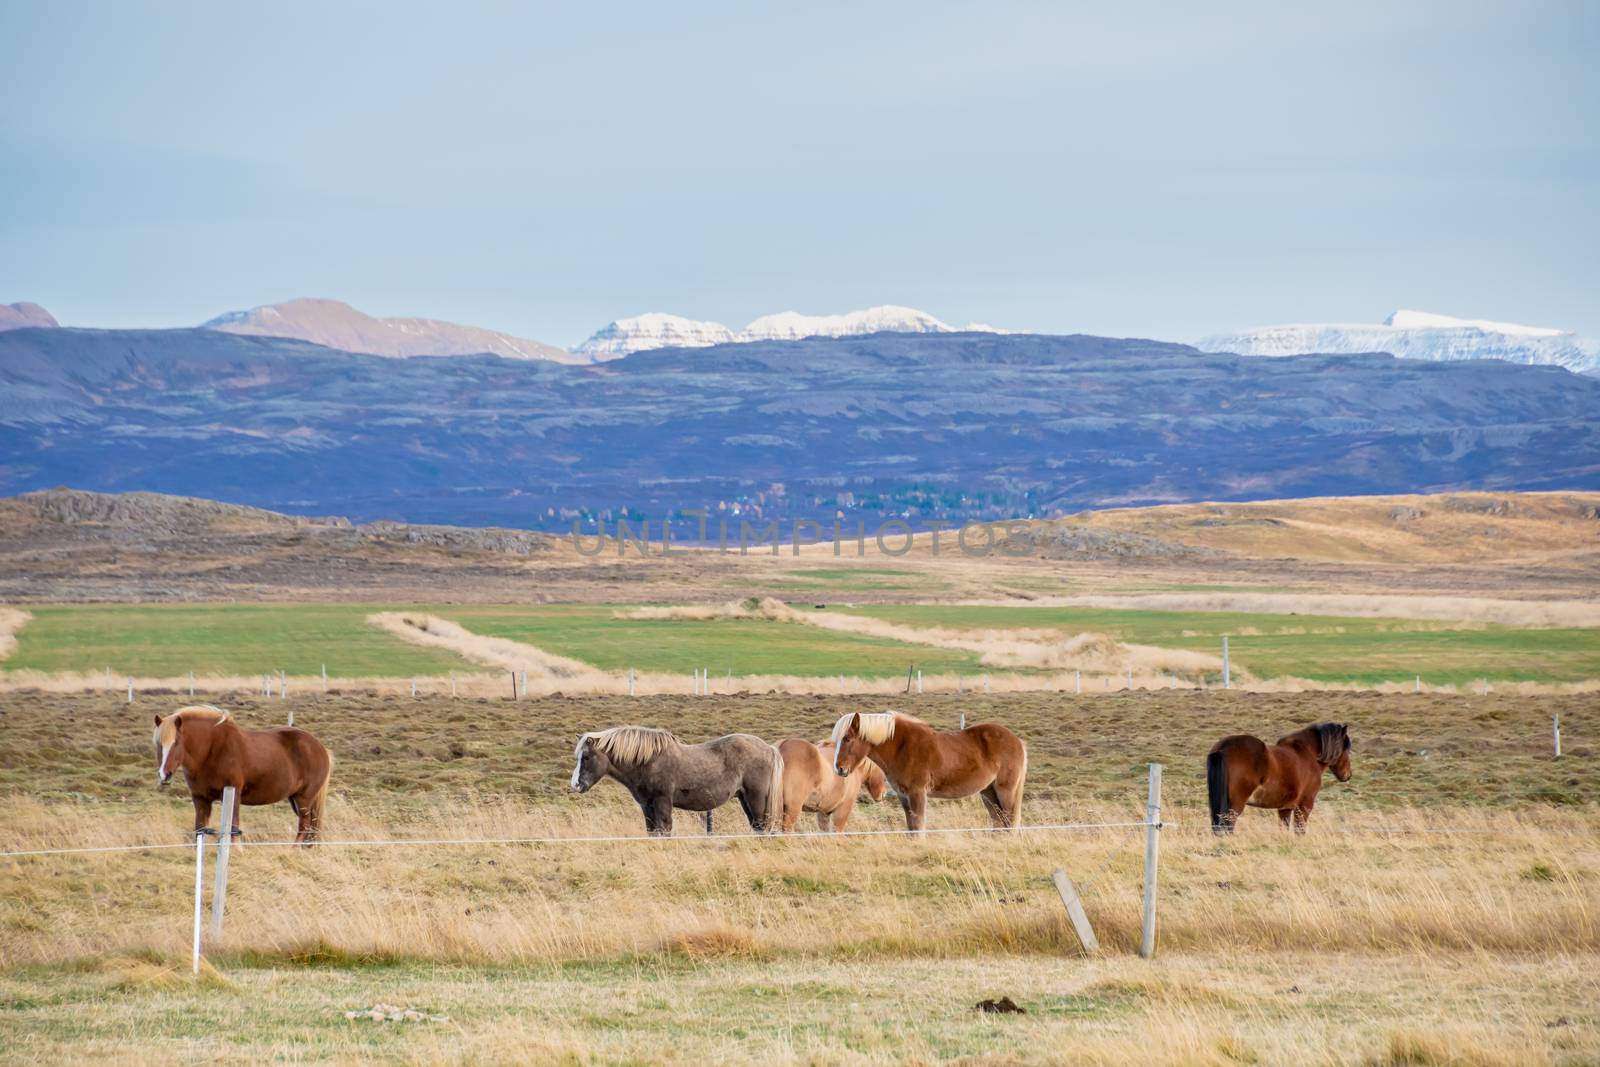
(167, 732)
(629, 745)
(876, 726)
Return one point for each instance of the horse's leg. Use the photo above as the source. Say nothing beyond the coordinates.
(840, 816)
(752, 811)
(916, 809)
(658, 817)
(307, 830)
(1284, 815)
(202, 812)
(825, 822)
(1302, 813)
(991, 801)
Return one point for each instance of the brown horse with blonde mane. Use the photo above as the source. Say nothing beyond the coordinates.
(921, 762)
(263, 766)
(809, 784)
(1244, 771)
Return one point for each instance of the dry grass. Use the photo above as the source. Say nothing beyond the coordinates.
(1373, 939)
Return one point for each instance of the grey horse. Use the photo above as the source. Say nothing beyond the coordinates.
(663, 773)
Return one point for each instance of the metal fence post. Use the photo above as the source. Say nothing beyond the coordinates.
(199, 891)
(219, 887)
(1152, 851)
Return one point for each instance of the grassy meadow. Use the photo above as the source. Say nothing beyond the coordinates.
(168, 641)
(1319, 647)
(1441, 911)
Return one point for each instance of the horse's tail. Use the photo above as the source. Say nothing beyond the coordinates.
(773, 820)
(1217, 789)
(319, 803)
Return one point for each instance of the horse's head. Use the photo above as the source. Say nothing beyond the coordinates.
(168, 741)
(590, 764)
(1334, 738)
(849, 747)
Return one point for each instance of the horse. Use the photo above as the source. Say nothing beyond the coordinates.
(810, 785)
(263, 766)
(663, 773)
(1243, 771)
(920, 762)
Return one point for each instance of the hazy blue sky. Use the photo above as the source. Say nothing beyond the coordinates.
(1161, 170)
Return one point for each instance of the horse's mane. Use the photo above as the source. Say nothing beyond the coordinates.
(629, 745)
(875, 727)
(166, 733)
(1330, 740)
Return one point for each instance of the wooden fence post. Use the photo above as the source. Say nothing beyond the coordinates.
(1555, 726)
(1152, 851)
(199, 892)
(1227, 677)
(1418, 689)
(219, 887)
(963, 720)
(919, 683)
(513, 685)
(708, 822)
(191, 683)
(1075, 912)
(130, 690)
(291, 714)
(283, 685)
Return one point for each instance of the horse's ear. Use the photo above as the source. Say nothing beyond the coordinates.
(855, 721)
(158, 718)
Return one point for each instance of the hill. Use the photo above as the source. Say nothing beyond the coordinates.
(338, 325)
(915, 427)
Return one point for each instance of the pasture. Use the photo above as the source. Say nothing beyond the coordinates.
(1319, 647)
(1442, 909)
(243, 640)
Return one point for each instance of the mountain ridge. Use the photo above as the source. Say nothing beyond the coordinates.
(917, 427)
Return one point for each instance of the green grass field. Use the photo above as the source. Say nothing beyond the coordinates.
(171, 640)
(1320, 647)
(596, 635)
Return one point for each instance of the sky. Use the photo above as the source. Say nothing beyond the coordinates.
(1150, 169)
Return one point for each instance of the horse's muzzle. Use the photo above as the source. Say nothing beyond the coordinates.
(162, 780)
(841, 772)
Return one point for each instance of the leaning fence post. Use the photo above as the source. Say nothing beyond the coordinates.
(199, 891)
(1075, 912)
(1152, 849)
(1555, 726)
(219, 887)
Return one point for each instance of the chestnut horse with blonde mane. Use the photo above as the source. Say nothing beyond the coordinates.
(921, 762)
(263, 766)
(1244, 771)
(809, 784)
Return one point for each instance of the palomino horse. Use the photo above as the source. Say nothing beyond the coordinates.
(809, 784)
(1244, 771)
(920, 762)
(263, 766)
(663, 773)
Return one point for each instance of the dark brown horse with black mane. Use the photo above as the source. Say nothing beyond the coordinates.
(1244, 771)
(263, 766)
(921, 762)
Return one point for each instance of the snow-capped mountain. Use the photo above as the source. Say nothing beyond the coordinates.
(887, 318)
(655, 329)
(1419, 335)
(338, 325)
(658, 330)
